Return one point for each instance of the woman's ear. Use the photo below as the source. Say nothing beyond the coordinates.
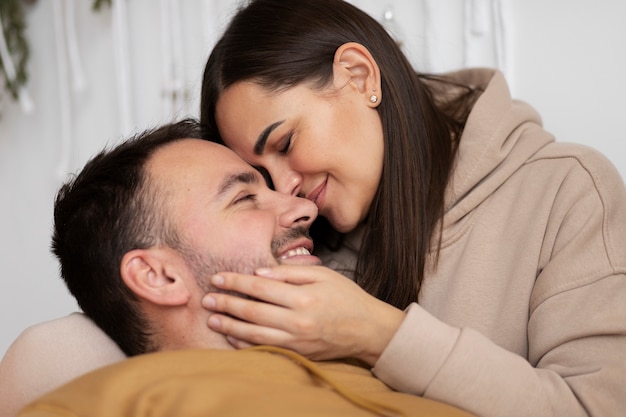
(152, 275)
(353, 63)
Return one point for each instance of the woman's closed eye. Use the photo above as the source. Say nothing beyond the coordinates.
(266, 176)
(286, 144)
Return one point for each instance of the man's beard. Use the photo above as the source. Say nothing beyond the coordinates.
(204, 266)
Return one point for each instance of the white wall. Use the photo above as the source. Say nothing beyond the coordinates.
(566, 57)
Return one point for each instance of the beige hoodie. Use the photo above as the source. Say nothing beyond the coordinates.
(525, 314)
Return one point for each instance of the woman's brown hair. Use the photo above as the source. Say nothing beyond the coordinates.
(282, 43)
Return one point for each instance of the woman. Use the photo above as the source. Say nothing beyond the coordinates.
(490, 260)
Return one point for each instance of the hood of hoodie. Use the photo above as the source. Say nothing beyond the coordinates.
(500, 135)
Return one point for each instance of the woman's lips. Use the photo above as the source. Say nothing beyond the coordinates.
(318, 195)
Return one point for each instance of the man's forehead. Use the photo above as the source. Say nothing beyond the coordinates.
(190, 160)
(187, 152)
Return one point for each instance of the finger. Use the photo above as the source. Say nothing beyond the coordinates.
(238, 344)
(246, 334)
(251, 311)
(261, 288)
(293, 274)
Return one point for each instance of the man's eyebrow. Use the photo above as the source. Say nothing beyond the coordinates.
(259, 145)
(230, 181)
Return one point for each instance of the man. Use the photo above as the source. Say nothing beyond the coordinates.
(138, 234)
(142, 228)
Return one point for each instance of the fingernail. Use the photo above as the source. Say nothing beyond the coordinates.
(208, 302)
(217, 280)
(214, 322)
(263, 271)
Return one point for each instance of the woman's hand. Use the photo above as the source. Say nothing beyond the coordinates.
(310, 309)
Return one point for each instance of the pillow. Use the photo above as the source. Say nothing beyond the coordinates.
(47, 355)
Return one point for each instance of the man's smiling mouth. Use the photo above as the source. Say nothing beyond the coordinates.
(301, 251)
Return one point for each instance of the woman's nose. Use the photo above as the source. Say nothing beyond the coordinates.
(287, 181)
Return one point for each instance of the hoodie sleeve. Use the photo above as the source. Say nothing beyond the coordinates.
(576, 364)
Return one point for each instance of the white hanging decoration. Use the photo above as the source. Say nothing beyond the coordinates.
(210, 9)
(437, 51)
(69, 66)
(174, 92)
(64, 90)
(214, 14)
(166, 59)
(78, 75)
(179, 97)
(477, 15)
(390, 23)
(122, 65)
(501, 38)
(9, 69)
(484, 34)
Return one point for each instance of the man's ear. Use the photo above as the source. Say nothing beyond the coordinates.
(153, 275)
(353, 63)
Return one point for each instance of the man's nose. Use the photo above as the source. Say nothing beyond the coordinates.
(296, 211)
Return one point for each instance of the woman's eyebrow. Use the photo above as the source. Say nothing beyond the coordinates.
(259, 145)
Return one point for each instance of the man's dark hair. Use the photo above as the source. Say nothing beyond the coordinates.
(107, 210)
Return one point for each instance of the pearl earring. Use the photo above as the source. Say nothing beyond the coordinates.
(373, 98)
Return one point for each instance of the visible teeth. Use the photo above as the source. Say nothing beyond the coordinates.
(296, 252)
